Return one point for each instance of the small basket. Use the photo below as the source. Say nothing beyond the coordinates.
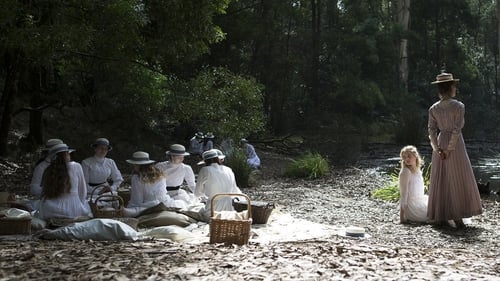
(125, 195)
(100, 212)
(230, 231)
(260, 210)
(11, 226)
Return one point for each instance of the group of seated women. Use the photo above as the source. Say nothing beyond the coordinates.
(62, 188)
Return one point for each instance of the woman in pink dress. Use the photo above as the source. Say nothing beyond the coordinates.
(453, 193)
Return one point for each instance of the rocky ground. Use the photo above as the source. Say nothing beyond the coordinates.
(392, 252)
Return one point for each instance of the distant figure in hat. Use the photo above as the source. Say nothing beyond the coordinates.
(208, 141)
(176, 173)
(148, 186)
(215, 178)
(64, 191)
(100, 172)
(253, 159)
(196, 144)
(453, 192)
(40, 166)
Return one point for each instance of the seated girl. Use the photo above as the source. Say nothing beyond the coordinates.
(148, 186)
(64, 190)
(412, 201)
(215, 178)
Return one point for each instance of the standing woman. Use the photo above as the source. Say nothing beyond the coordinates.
(101, 172)
(453, 193)
(63, 187)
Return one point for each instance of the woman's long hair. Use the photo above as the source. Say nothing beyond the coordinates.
(149, 173)
(55, 179)
(413, 150)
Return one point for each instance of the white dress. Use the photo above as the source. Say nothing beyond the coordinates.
(175, 175)
(253, 159)
(36, 180)
(145, 195)
(214, 179)
(412, 198)
(68, 205)
(196, 146)
(98, 171)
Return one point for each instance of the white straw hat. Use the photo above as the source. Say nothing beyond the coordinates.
(140, 158)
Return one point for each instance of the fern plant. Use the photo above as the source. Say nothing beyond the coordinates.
(390, 191)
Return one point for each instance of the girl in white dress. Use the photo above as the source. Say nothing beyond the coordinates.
(215, 178)
(148, 186)
(99, 169)
(176, 172)
(63, 187)
(412, 200)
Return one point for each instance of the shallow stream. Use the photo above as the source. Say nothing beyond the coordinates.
(484, 157)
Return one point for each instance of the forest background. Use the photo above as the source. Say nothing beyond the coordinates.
(149, 73)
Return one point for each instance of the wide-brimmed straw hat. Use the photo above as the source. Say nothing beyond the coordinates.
(102, 141)
(51, 142)
(62, 147)
(220, 155)
(444, 77)
(199, 135)
(209, 136)
(177, 149)
(140, 158)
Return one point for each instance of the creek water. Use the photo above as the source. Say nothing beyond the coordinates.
(484, 157)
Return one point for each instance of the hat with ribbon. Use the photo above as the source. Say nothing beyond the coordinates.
(140, 158)
(62, 147)
(220, 155)
(51, 142)
(177, 149)
(102, 141)
(444, 77)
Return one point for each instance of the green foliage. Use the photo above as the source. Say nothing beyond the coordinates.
(229, 105)
(237, 161)
(390, 191)
(309, 165)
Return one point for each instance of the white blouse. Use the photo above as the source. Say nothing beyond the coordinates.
(68, 205)
(412, 198)
(36, 180)
(99, 170)
(176, 174)
(214, 179)
(148, 194)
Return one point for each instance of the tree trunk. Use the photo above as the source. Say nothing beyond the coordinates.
(403, 16)
(13, 69)
(315, 50)
(498, 46)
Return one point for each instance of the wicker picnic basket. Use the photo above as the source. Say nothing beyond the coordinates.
(260, 210)
(10, 226)
(230, 231)
(116, 211)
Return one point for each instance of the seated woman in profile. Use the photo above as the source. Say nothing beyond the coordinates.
(412, 200)
(148, 186)
(64, 190)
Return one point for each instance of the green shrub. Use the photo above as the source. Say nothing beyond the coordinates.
(390, 191)
(309, 165)
(237, 161)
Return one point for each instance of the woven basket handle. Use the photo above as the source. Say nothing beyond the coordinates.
(249, 207)
(93, 190)
(111, 198)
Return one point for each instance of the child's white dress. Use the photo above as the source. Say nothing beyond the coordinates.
(412, 198)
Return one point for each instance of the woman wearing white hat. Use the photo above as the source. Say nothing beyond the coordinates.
(148, 186)
(100, 171)
(215, 178)
(63, 187)
(40, 166)
(177, 173)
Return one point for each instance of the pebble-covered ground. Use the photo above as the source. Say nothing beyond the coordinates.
(392, 252)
